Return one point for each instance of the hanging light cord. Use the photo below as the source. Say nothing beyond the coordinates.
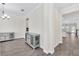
(5, 16)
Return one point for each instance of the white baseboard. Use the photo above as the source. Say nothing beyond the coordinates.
(61, 42)
(48, 52)
(51, 52)
(45, 51)
(19, 38)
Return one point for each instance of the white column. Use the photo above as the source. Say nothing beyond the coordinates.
(50, 31)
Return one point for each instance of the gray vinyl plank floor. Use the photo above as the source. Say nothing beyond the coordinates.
(18, 47)
(69, 47)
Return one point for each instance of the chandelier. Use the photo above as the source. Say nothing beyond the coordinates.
(4, 15)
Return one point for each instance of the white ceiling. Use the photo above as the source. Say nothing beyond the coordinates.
(67, 8)
(15, 8)
(64, 5)
(72, 10)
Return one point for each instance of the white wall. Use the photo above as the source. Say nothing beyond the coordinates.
(58, 25)
(52, 27)
(45, 20)
(36, 21)
(15, 24)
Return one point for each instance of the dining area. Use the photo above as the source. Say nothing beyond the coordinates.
(70, 30)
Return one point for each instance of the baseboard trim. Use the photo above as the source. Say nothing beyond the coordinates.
(11, 39)
(48, 52)
(61, 42)
(51, 52)
(19, 38)
(45, 51)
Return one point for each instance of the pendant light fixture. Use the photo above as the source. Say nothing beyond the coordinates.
(4, 15)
